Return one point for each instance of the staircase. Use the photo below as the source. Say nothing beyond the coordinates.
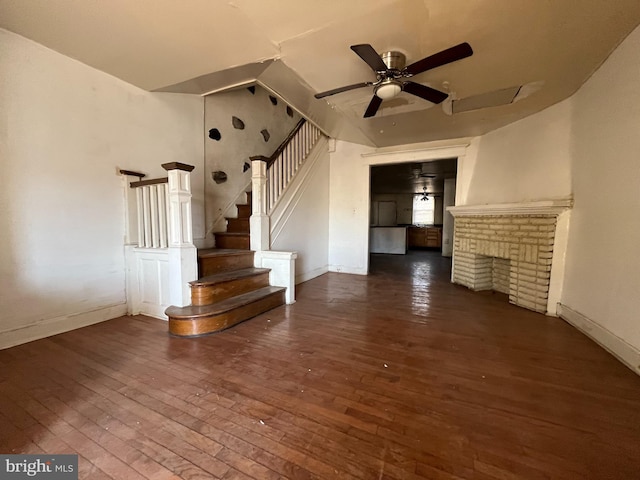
(229, 290)
(237, 235)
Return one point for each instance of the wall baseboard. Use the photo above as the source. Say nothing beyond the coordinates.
(53, 326)
(155, 311)
(616, 346)
(316, 272)
(348, 269)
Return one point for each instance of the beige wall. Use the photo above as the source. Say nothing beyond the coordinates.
(602, 279)
(236, 146)
(525, 161)
(64, 129)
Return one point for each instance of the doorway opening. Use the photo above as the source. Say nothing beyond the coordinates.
(408, 204)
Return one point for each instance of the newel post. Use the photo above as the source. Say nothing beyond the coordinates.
(259, 221)
(183, 266)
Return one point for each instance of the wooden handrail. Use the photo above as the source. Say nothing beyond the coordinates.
(153, 181)
(282, 146)
(131, 173)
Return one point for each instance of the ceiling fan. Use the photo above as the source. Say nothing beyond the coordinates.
(390, 70)
(417, 173)
(425, 195)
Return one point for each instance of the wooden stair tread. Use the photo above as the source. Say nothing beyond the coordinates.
(228, 276)
(221, 252)
(199, 311)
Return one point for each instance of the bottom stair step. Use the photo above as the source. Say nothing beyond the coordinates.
(198, 320)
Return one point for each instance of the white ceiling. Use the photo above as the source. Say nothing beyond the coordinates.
(196, 46)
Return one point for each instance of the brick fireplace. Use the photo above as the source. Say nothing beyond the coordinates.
(511, 249)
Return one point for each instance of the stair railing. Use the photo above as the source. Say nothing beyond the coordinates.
(164, 260)
(271, 175)
(152, 200)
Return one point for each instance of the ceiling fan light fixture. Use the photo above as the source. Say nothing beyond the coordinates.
(388, 89)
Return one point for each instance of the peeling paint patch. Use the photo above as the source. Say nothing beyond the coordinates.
(237, 123)
(214, 134)
(274, 100)
(252, 89)
(289, 111)
(265, 134)
(219, 176)
(245, 167)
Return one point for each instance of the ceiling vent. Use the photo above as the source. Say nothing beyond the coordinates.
(496, 98)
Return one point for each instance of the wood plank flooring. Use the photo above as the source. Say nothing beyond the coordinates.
(396, 375)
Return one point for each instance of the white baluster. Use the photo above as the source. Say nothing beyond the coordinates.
(146, 210)
(162, 214)
(153, 212)
(140, 217)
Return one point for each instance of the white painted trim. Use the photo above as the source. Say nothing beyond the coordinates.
(349, 269)
(155, 311)
(233, 86)
(417, 152)
(53, 326)
(558, 262)
(226, 211)
(623, 351)
(541, 207)
(283, 270)
(137, 282)
(287, 202)
(316, 272)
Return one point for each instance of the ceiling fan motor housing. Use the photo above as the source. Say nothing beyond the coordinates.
(394, 60)
(389, 85)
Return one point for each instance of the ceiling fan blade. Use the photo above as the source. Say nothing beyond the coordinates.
(422, 91)
(343, 89)
(441, 58)
(373, 106)
(367, 53)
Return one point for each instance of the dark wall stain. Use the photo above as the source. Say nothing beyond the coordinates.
(265, 134)
(289, 111)
(273, 99)
(214, 134)
(245, 167)
(237, 123)
(219, 176)
(252, 90)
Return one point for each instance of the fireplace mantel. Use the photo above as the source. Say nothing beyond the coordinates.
(531, 236)
(541, 207)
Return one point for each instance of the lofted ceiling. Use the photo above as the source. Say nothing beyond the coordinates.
(543, 50)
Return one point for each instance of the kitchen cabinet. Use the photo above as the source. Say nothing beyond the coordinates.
(425, 237)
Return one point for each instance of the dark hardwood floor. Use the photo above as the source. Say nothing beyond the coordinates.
(396, 375)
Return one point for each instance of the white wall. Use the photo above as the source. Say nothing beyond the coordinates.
(525, 161)
(64, 128)
(448, 200)
(349, 195)
(236, 146)
(349, 209)
(602, 280)
(304, 227)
